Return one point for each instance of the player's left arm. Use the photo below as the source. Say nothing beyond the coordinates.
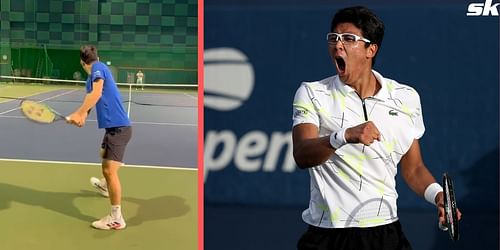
(418, 177)
(414, 172)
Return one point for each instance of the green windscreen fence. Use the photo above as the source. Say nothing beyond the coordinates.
(158, 66)
(41, 39)
(31, 62)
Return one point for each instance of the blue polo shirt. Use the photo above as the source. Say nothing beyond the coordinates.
(109, 108)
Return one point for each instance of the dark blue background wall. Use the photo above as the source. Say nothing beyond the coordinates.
(254, 202)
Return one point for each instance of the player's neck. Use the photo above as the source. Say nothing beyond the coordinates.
(366, 85)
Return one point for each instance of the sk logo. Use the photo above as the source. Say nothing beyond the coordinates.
(393, 113)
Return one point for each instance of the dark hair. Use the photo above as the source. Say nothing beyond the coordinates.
(88, 54)
(372, 28)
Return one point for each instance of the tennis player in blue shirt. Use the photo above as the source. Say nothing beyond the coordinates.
(103, 94)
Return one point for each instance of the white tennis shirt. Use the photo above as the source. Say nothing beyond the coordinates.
(356, 187)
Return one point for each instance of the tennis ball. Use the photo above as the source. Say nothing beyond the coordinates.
(229, 78)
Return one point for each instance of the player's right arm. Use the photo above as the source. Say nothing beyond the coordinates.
(309, 150)
(79, 117)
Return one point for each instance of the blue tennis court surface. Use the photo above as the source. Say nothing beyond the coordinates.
(164, 131)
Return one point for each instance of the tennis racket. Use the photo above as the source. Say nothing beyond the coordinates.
(40, 112)
(450, 208)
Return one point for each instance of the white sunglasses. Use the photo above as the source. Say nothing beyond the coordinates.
(349, 38)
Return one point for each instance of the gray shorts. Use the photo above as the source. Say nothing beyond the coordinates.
(114, 143)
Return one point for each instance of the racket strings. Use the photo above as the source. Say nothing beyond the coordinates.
(38, 112)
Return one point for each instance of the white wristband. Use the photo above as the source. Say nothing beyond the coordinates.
(431, 191)
(337, 139)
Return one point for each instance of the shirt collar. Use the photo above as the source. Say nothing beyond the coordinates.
(381, 95)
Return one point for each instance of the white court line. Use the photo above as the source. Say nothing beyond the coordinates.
(95, 164)
(193, 97)
(142, 123)
(14, 109)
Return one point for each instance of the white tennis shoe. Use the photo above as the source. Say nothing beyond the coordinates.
(108, 223)
(100, 185)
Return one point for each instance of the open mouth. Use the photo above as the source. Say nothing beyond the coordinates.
(340, 64)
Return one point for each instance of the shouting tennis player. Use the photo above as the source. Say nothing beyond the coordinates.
(103, 93)
(350, 131)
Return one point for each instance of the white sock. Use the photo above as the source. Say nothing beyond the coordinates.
(116, 211)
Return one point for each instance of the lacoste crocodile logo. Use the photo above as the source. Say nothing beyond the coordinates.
(393, 113)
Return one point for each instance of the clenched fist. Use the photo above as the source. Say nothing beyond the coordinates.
(365, 133)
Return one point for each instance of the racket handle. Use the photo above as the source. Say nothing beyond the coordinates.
(66, 118)
(442, 227)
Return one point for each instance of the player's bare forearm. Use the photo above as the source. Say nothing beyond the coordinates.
(418, 178)
(413, 170)
(312, 152)
(89, 102)
(309, 150)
